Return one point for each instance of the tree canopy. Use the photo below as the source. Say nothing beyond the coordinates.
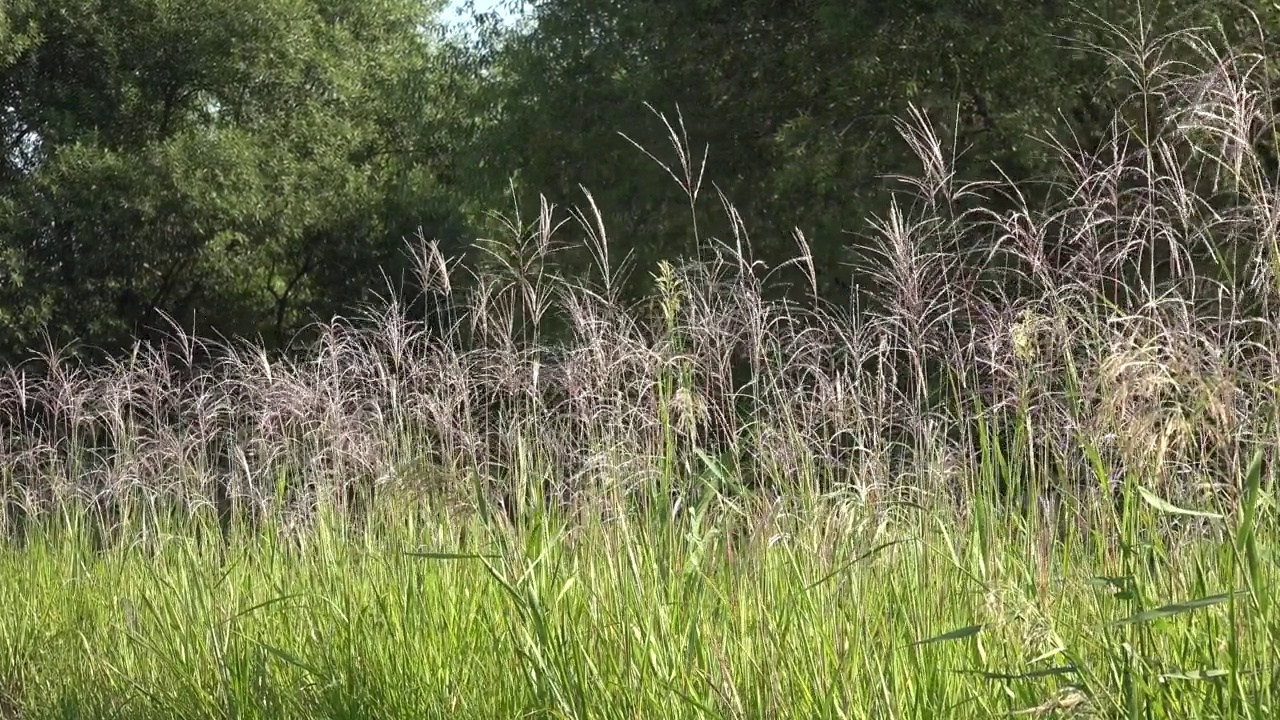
(237, 165)
(244, 166)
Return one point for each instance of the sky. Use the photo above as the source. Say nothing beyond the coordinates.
(451, 13)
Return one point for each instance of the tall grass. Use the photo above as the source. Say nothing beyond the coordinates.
(1030, 470)
(812, 611)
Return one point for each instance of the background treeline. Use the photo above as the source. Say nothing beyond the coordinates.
(245, 167)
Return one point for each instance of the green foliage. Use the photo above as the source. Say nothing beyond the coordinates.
(797, 104)
(236, 165)
(247, 165)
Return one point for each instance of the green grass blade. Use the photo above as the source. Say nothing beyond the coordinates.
(1167, 507)
(1172, 609)
(958, 634)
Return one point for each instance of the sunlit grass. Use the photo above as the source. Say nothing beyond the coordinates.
(828, 610)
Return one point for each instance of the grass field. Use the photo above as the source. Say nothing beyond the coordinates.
(827, 610)
(1033, 474)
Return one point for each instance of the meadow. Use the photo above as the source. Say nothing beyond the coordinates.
(1029, 470)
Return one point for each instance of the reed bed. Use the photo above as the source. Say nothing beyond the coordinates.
(1028, 468)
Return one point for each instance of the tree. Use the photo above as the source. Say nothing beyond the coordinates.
(797, 101)
(239, 165)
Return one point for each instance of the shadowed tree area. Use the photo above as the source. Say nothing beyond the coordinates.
(795, 105)
(244, 168)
